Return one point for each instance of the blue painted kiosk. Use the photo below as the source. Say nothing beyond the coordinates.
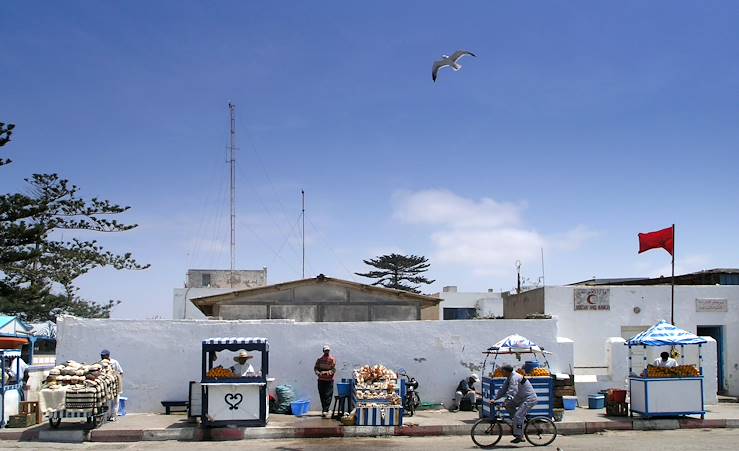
(666, 396)
(517, 346)
(10, 390)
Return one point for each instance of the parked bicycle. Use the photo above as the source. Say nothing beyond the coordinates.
(487, 432)
(412, 399)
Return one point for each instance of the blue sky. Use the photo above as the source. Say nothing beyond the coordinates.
(579, 125)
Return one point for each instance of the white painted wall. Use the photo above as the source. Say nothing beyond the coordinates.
(183, 308)
(488, 304)
(159, 357)
(594, 327)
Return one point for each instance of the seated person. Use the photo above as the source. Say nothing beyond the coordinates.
(665, 361)
(241, 368)
(466, 394)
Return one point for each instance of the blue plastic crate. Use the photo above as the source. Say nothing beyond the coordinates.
(300, 407)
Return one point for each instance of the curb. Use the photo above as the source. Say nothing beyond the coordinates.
(242, 433)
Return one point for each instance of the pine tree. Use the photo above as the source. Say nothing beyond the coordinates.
(395, 269)
(35, 265)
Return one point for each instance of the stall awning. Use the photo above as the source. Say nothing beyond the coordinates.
(514, 344)
(664, 334)
(234, 341)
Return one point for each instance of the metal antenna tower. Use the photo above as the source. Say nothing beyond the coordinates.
(302, 214)
(232, 164)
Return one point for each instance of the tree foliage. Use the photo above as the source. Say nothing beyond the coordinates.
(35, 259)
(398, 271)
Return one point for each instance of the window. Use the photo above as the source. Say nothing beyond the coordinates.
(206, 280)
(460, 313)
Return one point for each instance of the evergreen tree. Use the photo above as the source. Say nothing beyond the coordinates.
(36, 261)
(394, 270)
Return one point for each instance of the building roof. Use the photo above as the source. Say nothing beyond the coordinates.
(705, 277)
(400, 294)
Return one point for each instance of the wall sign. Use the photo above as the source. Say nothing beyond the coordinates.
(711, 305)
(592, 298)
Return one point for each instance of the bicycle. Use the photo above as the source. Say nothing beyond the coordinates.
(487, 432)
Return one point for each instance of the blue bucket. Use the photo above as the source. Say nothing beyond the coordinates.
(122, 406)
(569, 402)
(300, 407)
(343, 389)
(529, 366)
(596, 401)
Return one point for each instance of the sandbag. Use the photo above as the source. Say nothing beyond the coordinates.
(285, 396)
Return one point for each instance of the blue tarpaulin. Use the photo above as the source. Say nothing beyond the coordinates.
(664, 334)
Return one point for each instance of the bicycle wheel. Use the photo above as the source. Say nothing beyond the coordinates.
(486, 433)
(540, 431)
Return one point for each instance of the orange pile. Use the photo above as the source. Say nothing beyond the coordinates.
(220, 372)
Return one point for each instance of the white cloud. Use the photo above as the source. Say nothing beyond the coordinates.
(484, 235)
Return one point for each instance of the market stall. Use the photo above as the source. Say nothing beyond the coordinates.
(377, 394)
(662, 391)
(10, 389)
(540, 377)
(79, 391)
(229, 398)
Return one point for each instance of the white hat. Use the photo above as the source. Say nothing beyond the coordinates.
(475, 377)
(326, 348)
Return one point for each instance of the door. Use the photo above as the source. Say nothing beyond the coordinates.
(717, 333)
(637, 352)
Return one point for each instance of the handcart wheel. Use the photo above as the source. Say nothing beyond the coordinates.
(55, 422)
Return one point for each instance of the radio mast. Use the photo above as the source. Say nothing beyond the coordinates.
(232, 164)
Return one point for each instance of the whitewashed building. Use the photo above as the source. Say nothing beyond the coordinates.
(469, 304)
(590, 314)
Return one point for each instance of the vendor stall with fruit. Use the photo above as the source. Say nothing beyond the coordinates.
(536, 372)
(666, 391)
(236, 395)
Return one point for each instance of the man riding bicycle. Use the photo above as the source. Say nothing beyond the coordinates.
(520, 398)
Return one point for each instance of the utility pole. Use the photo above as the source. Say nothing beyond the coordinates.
(302, 214)
(232, 163)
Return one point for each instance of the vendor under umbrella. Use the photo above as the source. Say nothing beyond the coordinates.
(241, 368)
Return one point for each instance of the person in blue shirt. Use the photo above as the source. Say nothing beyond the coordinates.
(466, 391)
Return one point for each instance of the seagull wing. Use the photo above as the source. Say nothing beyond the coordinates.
(459, 54)
(438, 65)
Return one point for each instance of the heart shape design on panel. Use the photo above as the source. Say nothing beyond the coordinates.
(233, 400)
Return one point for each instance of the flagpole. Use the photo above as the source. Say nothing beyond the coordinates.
(672, 301)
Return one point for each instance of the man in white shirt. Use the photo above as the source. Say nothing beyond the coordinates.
(242, 368)
(665, 361)
(113, 363)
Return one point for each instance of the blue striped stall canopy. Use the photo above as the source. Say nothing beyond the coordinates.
(515, 344)
(10, 352)
(664, 334)
(234, 341)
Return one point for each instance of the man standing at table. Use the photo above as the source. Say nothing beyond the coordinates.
(325, 369)
(113, 363)
(665, 361)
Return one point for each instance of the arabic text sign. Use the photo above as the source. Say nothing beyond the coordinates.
(711, 305)
(592, 299)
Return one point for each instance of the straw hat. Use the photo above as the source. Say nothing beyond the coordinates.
(243, 355)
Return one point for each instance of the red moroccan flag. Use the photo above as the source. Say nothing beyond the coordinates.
(664, 238)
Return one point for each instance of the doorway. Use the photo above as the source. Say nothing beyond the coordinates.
(717, 333)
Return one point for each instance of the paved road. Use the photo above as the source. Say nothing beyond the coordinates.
(683, 440)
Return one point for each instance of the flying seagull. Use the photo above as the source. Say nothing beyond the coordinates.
(449, 61)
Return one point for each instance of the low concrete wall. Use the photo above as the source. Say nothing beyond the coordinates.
(159, 357)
